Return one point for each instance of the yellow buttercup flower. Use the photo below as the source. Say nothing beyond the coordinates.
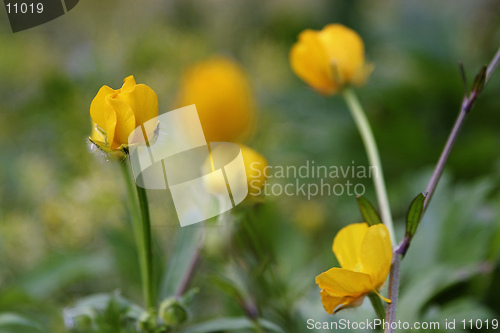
(221, 92)
(116, 113)
(365, 254)
(255, 165)
(329, 59)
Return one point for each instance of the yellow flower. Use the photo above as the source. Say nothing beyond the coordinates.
(255, 165)
(116, 113)
(329, 59)
(221, 92)
(365, 254)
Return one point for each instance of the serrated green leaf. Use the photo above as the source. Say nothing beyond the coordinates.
(368, 211)
(231, 325)
(414, 214)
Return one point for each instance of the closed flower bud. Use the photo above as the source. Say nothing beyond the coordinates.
(330, 59)
(173, 312)
(221, 92)
(147, 322)
(116, 113)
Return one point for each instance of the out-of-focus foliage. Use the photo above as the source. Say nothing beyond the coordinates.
(64, 227)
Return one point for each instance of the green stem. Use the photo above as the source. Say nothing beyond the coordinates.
(138, 202)
(373, 158)
(377, 305)
(257, 327)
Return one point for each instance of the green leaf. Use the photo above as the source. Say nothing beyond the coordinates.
(228, 286)
(185, 249)
(101, 303)
(57, 272)
(414, 214)
(423, 287)
(466, 307)
(368, 211)
(480, 80)
(190, 295)
(9, 319)
(231, 324)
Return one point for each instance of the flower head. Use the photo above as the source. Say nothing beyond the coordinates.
(221, 92)
(255, 165)
(329, 59)
(365, 254)
(116, 113)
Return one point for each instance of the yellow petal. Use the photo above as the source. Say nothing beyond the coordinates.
(344, 48)
(125, 122)
(128, 83)
(97, 135)
(309, 61)
(334, 304)
(330, 303)
(347, 245)
(109, 123)
(376, 253)
(99, 108)
(144, 104)
(341, 282)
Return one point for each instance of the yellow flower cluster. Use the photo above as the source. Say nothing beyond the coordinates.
(221, 92)
(218, 87)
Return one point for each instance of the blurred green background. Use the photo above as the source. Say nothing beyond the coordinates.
(64, 226)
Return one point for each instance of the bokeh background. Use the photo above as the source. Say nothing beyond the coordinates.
(64, 226)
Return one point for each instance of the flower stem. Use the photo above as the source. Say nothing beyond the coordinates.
(138, 203)
(466, 107)
(390, 309)
(467, 104)
(377, 305)
(373, 158)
